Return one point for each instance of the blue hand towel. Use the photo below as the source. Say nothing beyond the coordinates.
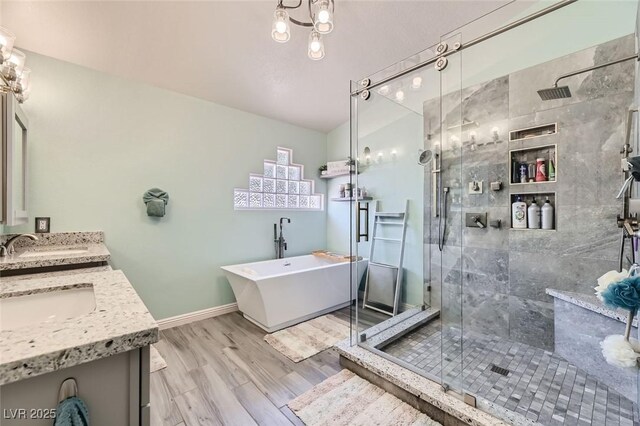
(155, 199)
(72, 412)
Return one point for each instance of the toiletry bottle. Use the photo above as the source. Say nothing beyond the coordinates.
(519, 214)
(515, 172)
(524, 168)
(552, 169)
(541, 170)
(547, 215)
(532, 172)
(533, 215)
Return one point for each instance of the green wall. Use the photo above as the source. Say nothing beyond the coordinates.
(98, 142)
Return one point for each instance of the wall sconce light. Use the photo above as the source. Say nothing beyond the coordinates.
(379, 157)
(496, 134)
(367, 155)
(399, 95)
(384, 90)
(472, 140)
(14, 76)
(394, 154)
(416, 83)
(6, 43)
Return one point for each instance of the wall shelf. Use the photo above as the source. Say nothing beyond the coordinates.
(351, 199)
(540, 197)
(529, 156)
(331, 176)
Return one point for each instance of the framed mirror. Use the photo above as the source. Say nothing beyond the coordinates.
(14, 162)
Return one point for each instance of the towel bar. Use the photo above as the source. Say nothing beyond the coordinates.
(68, 388)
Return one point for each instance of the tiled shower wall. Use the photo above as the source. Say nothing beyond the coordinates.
(494, 280)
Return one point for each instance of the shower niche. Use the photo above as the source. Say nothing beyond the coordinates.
(524, 165)
(540, 199)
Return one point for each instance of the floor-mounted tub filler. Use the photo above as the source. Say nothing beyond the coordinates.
(276, 294)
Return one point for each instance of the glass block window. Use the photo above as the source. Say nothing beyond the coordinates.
(269, 169)
(255, 183)
(280, 186)
(269, 185)
(294, 187)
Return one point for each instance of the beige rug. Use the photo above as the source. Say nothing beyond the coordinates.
(157, 362)
(349, 400)
(309, 338)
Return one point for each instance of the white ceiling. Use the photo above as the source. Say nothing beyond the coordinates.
(222, 51)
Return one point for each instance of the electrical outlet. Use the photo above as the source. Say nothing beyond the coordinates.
(475, 187)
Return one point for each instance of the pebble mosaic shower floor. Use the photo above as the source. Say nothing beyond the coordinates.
(538, 385)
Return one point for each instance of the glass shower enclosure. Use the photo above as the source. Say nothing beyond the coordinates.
(447, 142)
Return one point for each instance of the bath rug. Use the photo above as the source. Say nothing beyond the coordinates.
(157, 362)
(306, 339)
(349, 400)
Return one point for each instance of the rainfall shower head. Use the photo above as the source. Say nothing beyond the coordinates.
(562, 92)
(554, 92)
(425, 157)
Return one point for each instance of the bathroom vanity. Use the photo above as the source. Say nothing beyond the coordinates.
(87, 324)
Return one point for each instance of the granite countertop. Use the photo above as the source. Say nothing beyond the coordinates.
(119, 323)
(91, 244)
(592, 303)
(64, 272)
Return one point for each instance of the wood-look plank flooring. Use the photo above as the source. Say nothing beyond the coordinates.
(220, 371)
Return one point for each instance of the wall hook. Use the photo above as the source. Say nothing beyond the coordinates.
(68, 388)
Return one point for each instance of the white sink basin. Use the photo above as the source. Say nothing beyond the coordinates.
(58, 252)
(52, 306)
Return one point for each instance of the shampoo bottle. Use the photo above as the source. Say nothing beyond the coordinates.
(547, 215)
(519, 214)
(533, 215)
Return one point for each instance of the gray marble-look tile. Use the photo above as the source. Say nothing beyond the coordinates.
(531, 273)
(485, 311)
(485, 270)
(531, 322)
(578, 333)
(523, 85)
(489, 237)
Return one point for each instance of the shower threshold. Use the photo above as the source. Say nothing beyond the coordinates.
(535, 385)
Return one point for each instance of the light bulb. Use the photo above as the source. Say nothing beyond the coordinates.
(281, 27)
(280, 31)
(416, 83)
(316, 47)
(399, 95)
(6, 42)
(24, 79)
(17, 60)
(323, 16)
(384, 90)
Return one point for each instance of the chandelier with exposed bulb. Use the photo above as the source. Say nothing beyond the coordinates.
(321, 23)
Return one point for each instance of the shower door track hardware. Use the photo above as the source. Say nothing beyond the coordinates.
(471, 43)
(470, 400)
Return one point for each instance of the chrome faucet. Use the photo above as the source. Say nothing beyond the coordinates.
(7, 249)
(281, 244)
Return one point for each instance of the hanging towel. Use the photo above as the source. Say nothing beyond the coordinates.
(155, 199)
(72, 412)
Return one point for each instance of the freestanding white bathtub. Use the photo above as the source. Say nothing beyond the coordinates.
(275, 294)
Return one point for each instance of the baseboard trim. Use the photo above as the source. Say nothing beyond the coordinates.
(190, 317)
